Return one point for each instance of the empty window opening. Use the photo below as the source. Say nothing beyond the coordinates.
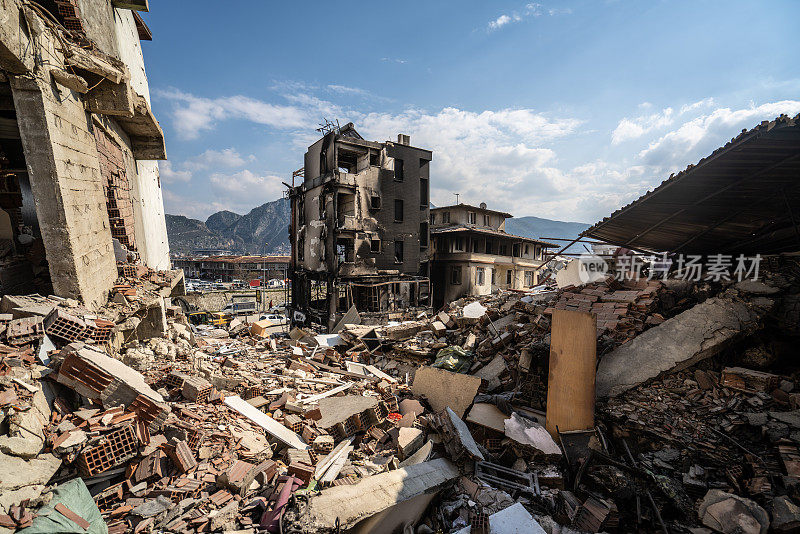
(509, 277)
(481, 276)
(494, 276)
(458, 244)
(433, 218)
(528, 278)
(398, 210)
(515, 248)
(346, 207)
(423, 234)
(350, 161)
(486, 220)
(471, 217)
(398, 252)
(423, 192)
(375, 245)
(345, 250)
(455, 275)
(527, 250)
(398, 170)
(503, 250)
(445, 217)
(375, 202)
(375, 159)
(488, 246)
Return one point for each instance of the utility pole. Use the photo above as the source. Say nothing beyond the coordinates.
(456, 198)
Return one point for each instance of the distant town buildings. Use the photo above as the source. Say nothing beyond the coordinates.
(229, 268)
(474, 255)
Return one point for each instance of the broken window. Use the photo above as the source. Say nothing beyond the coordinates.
(481, 275)
(528, 278)
(471, 217)
(486, 220)
(455, 275)
(527, 250)
(423, 192)
(398, 251)
(375, 202)
(445, 217)
(475, 245)
(458, 244)
(346, 207)
(345, 250)
(509, 275)
(515, 248)
(347, 160)
(488, 247)
(375, 159)
(494, 276)
(423, 234)
(398, 170)
(375, 245)
(398, 210)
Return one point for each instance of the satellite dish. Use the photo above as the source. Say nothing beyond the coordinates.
(483, 205)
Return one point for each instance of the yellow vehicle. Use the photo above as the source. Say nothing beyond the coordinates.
(212, 318)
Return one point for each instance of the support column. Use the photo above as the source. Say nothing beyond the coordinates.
(65, 180)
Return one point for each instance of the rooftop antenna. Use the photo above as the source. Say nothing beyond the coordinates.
(327, 126)
(456, 194)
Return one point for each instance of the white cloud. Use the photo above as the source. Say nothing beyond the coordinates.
(394, 60)
(170, 175)
(193, 114)
(704, 103)
(529, 10)
(212, 159)
(245, 187)
(628, 129)
(698, 137)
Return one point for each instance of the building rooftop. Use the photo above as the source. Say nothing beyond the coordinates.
(461, 228)
(239, 259)
(475, 208)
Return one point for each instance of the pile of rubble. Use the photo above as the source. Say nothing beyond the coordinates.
(131, 419)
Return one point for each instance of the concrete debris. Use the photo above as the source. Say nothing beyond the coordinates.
(531, 434)
(728, 513)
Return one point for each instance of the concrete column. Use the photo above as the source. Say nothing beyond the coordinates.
(65, 179)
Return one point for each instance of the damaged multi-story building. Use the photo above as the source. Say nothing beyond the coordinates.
(359, 228)
(78, 147)
(472, 253)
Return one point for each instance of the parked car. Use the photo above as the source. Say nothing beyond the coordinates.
(274, 318)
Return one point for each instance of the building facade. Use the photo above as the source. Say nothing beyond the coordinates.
(78, 144)
(474, 255)
(359, 227)
(229, 268)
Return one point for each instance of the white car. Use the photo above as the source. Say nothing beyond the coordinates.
(274, 318)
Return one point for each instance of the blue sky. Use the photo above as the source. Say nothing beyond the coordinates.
(564, 110)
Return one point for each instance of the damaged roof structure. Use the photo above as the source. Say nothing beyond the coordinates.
(741, 199)
(78, 144)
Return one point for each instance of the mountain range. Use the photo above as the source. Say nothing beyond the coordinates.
(264, 230)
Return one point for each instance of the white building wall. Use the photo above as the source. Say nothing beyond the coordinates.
(148, 203)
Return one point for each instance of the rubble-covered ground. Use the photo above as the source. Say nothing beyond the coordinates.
(129, 419)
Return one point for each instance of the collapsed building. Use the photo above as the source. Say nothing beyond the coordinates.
(78, 144)
(473, 254)
(359, 228)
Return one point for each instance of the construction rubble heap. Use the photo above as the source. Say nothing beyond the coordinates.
(675, 408)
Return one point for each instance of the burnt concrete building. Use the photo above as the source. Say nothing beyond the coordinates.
(79, 184)
(359, 228)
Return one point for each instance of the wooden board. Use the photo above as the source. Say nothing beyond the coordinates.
(573, 363)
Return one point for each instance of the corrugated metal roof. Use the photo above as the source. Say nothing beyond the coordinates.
(740, 199)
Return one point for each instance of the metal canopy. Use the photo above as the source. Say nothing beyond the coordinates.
(742, 199)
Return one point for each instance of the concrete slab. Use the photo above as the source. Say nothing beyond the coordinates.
(445, 389)
(512, 520)
(678, 343)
